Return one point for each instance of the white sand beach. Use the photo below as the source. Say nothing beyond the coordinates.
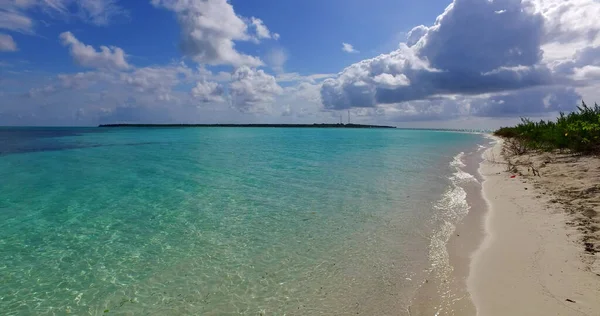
(539, 253)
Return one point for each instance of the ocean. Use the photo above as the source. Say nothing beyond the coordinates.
(225, 221)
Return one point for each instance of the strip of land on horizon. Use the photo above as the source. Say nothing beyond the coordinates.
(315, 125)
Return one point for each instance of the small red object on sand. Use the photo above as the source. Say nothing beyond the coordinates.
(513, 176)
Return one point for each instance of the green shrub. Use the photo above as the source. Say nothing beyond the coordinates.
(577, 131)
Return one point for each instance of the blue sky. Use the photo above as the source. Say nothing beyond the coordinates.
(151, 35)
(461, 63)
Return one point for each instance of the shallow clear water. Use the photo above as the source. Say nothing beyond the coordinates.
(218, 221)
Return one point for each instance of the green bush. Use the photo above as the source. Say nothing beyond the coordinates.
(577, 131)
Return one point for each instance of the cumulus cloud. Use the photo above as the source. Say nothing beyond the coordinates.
(207, 91)
(357, 86)
(454, 44)
(252, 90)
(158, 81)
(569, 21)
(87, 56)
(7, 44)
(391, 81)
(209, 29)
(301, 103)
(474, 48)
(416, 34)
(348, 48)
(305, 92)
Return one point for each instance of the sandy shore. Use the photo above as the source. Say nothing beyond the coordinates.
(539, 253)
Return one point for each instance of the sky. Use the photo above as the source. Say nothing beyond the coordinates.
(428, 63)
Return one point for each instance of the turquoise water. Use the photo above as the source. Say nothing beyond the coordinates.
(219, 221)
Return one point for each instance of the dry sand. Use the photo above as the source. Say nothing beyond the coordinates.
(539, 254)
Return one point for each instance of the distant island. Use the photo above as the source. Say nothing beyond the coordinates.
(251, 125)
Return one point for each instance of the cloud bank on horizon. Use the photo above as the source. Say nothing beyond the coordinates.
(480, 62)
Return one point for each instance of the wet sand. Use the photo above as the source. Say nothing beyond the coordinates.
(445, 292)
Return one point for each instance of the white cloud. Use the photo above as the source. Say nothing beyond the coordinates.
(587, 73)
(85, 55)
(391, 81)
(416, 34)
(569, 21)
(261, 29)
(99, 12)
(480, 59)
(252, 90)
(156, 94)
(314, 77)
(356, 85)
(154, 82)
(294, 76)
(586, 57)
(75, 82)
(209, 29)
(466, 37)
(305, 92)
(572, 38)
(15, 21)
(7, 44)
(158, 81)
(207, 91)
(348, 48)
(463, 53)
(276, 59)
(301, 103)
(84, 80)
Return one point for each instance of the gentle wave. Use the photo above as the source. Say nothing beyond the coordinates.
(451, 208)
(457, 161)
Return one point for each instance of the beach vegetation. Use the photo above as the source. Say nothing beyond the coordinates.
(578, 131)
